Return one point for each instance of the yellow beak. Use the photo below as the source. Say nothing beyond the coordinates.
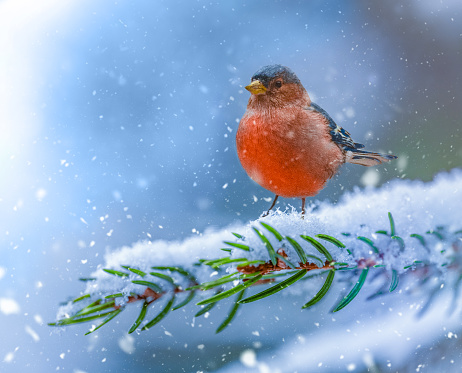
(256, 88)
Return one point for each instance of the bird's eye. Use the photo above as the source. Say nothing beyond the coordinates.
(278, 84)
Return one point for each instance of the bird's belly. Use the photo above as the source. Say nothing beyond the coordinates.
(282, 165)
(286, 179)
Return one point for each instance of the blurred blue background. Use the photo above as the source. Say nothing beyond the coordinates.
(118, 120)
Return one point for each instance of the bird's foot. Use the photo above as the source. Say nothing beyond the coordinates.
(272, 205)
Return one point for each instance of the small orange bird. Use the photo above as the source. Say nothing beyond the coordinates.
(288, 144)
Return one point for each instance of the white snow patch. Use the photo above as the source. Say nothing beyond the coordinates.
(9, 306)
(40, 194)
(32, 333)
(370, 178)
(38, 319)
(127, 344)
(9, 357)
(248, 358)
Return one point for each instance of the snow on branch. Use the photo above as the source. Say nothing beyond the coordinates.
(407, 228)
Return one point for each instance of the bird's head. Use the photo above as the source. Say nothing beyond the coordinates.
(276, 85)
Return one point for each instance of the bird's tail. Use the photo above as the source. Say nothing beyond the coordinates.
(365, 158)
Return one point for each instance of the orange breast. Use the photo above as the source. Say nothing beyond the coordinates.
(289, 154)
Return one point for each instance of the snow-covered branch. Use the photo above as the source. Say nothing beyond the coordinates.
(405, 231)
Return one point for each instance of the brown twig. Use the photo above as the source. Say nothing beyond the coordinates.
(280, 266)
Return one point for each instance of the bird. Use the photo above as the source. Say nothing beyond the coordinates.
(288, 144)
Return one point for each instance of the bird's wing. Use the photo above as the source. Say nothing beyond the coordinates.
(352, 150)
(340, 136)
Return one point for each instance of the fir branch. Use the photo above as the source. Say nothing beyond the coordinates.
(284, 265)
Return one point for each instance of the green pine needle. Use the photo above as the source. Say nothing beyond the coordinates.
(323, 291)
(316, 258)
(161, 315)
(354, 292)
(205, 309)
(400, 242)
(392, 224)
(149, 284)
(331, 239)
(276, 288)
(228, 293)
(115, 273)
(81, 298)
(74, 320)
(232, 313)
(179, 270)
(276, 234)
(436, 234)
(369, 242)
(211, 284)
(286, 261)
(298, 249)
(318, 246)
(135, 271)
(188, 299)
(163, 277)
(237, 245)
(116, 295)
(251, 263)
(140, 317)
(95, 308)
(87, 279)
(394, 280)
(111, 315)
(216, 263)
(420, 238)
(269, 247)
(346, 268)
